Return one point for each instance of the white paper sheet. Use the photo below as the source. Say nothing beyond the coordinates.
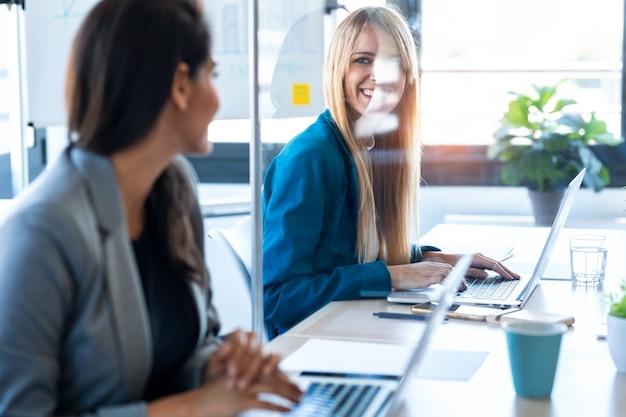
(324, 355)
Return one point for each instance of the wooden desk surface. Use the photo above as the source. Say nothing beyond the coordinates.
(586, 383)
(353, 320)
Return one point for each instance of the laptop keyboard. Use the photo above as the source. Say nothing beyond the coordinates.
(496, 288)
(335, 399)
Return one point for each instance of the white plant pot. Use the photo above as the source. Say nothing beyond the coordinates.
(616, 338)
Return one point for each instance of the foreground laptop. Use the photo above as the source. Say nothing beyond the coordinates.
(495, 291)
(334, 394)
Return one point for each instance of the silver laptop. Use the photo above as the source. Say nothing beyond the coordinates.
(356, 395)
(495, 291)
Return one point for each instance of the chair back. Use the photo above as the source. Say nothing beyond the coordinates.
(234, 243)
(238, 239)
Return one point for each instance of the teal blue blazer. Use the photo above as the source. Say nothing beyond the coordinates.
(310, 205)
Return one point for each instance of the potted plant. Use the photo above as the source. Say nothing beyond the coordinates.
(616, 328)
(543, 146)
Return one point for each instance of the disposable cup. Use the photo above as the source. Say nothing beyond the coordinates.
(533, 355)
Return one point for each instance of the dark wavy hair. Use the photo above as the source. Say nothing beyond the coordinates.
(120, 72)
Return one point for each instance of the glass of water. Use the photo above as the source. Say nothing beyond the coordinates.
(588, 259)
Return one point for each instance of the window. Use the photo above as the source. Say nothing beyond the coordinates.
(473, 53)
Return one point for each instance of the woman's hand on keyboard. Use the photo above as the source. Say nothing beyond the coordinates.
(479, 266)
(419, 275)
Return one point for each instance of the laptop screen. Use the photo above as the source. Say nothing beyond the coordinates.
(450, 284)
(559, 222)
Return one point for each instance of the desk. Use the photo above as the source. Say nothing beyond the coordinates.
(586, 384)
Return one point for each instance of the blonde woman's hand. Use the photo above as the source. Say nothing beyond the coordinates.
(418, 275)
(479, 266)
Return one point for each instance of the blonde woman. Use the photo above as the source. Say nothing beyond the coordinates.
(340, 200)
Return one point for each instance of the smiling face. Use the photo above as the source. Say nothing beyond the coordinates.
(375, 79)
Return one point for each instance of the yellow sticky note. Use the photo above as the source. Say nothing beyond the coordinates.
(300, 94)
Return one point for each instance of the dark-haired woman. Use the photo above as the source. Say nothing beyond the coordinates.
(105, 304)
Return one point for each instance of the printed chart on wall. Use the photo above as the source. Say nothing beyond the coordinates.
(49, 29)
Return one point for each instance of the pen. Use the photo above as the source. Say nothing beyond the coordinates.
(401, 316)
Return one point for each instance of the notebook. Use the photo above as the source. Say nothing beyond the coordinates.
(356, 395)
(497, 291)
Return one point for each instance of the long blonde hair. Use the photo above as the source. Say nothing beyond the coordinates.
(388, 176)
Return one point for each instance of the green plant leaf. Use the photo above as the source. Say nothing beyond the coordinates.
(513, 153)
(608, 139)
(595, 127)
(518, 113)
(545, 95)
(574, 123)
(555, 142)
(560, 104)
(511, 174)
(542, 146)
(618, 301)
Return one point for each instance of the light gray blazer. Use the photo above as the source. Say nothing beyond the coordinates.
(74, 330)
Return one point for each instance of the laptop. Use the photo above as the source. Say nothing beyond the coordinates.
(357, 395)
(496, 291)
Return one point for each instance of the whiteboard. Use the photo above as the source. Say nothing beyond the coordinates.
(50, 26)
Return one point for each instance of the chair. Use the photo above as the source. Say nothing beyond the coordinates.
(235, 248)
